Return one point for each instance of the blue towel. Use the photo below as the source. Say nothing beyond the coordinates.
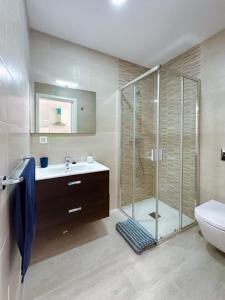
(25, 214)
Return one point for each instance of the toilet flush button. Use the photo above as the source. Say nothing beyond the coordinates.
(222, 154)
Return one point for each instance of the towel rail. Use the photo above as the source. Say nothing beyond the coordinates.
(26, 157)
(4, 182)
(10, 180)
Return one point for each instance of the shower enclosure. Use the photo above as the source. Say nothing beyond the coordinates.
(159, 150)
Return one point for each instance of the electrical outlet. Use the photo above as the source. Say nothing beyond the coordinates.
(43, 140)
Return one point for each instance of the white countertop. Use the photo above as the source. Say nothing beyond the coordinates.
(59, 170)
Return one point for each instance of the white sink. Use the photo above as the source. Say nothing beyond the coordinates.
(59, 170)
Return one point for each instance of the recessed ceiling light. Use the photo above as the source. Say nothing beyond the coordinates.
(118, 2)
(67, 84)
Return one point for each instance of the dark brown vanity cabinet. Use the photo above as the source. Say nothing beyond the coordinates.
(72, 199)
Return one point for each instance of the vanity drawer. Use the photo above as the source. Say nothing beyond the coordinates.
(66, 202)
(69, 186)
(79, 212)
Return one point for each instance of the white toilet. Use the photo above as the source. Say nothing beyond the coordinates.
(211, 220)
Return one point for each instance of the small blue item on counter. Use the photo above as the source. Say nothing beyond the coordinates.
(44, 162)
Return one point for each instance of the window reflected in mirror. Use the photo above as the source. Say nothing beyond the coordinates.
(57, 115)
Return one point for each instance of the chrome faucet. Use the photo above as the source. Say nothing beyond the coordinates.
(67, 162)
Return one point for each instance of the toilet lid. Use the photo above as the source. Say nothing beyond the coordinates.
(212, 212)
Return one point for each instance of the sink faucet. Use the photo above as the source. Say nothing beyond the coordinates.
(67, 162)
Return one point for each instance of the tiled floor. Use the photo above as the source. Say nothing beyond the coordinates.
(185, 267)
(168, 222)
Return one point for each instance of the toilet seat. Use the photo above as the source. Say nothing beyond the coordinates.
(212, 212)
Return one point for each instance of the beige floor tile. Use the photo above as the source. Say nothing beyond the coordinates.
(185, 267)
(107, 282)
(50, 274)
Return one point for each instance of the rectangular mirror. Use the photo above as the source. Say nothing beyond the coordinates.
(64, 110)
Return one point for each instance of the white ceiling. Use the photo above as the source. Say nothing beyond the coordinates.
(147, 32)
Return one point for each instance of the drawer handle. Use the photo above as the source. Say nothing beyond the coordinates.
(74, 210)
(74, 182)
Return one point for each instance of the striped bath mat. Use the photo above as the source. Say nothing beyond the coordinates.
(136, 235)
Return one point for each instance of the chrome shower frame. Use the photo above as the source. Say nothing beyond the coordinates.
(157, 69)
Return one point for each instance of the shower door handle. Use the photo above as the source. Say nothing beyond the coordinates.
(155, 155)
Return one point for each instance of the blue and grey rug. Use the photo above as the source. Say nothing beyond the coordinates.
(136, 235)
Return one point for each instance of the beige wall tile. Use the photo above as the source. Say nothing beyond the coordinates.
(212, 169)
(4, 270)
(4, 79)
(14, 128)
(53, 59)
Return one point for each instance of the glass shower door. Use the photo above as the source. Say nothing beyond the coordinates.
(127, 149)
(177, 164)
(170, 154)
(159, 151)
(145, 93)
(190, 151)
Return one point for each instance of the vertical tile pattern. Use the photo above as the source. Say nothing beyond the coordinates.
(145, 137)
(126, 148)
(169, 139)
(188, 63)
(14, 128)
(144, 95)
(128, 72)
(189, 148)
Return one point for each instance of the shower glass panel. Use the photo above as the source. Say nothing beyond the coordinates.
(159, 150)
(127, 148)
(170, 161)
(190, 150)
(145, 144)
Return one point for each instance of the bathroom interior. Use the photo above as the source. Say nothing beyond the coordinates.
(112, 149)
